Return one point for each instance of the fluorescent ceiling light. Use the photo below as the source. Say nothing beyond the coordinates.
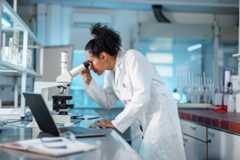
(5, 23)
(194, 47)
(161, 44)
(160, 58)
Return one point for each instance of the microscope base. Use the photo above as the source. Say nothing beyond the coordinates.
(62, 120)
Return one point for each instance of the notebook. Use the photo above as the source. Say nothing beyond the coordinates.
(50, 146)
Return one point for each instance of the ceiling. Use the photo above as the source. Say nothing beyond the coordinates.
(202, 6)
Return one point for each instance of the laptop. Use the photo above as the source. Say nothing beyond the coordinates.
(46, 123)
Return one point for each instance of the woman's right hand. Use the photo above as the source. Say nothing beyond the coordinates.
(86, 75)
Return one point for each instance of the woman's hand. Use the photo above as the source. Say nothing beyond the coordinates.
(86, 75)
(102, 124)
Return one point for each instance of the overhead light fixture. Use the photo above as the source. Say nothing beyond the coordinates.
(160, 58)
(194, 47)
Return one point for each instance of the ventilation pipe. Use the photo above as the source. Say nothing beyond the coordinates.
(160, 17)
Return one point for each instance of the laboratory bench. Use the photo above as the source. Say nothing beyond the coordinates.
(209, 135)
(110, 147)
(228, 122)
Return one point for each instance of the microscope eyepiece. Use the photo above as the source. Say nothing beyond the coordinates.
(87, 64)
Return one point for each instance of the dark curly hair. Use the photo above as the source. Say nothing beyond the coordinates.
(105, 40)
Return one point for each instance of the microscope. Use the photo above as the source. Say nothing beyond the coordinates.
(60, 104)
(56, 93)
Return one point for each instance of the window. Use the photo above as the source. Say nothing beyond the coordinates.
(163, 62)
(164, 71)
(160, 58)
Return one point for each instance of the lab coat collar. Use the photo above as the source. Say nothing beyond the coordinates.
(118, 65)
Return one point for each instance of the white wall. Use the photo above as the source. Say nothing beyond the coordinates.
(56, 26)
(55, 22)
(202, 18)
(60, 29)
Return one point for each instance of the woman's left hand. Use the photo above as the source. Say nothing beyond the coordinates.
(104, 123)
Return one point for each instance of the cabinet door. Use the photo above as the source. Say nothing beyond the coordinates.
(194, 149)
(223, 146)
(230, 146)
(214, 145)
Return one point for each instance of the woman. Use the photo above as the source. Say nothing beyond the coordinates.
(149, 109)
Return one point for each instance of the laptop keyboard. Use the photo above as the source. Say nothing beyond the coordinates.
(72, 129)
(79, 130)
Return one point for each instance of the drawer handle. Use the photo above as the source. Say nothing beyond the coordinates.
(194, 128)
(211, 134)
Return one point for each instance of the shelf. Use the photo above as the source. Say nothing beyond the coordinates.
(20, 49)
(9, 72)
(18, 68)
(19, 43)
(17, 19)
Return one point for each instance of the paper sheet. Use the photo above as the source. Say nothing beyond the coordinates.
(59, 146)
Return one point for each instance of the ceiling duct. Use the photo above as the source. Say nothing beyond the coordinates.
(157, 11)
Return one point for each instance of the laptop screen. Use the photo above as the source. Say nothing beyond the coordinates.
(41, 113)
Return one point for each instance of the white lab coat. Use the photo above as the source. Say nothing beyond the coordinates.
(149, 109)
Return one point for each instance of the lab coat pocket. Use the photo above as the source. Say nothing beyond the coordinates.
(126, 89)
